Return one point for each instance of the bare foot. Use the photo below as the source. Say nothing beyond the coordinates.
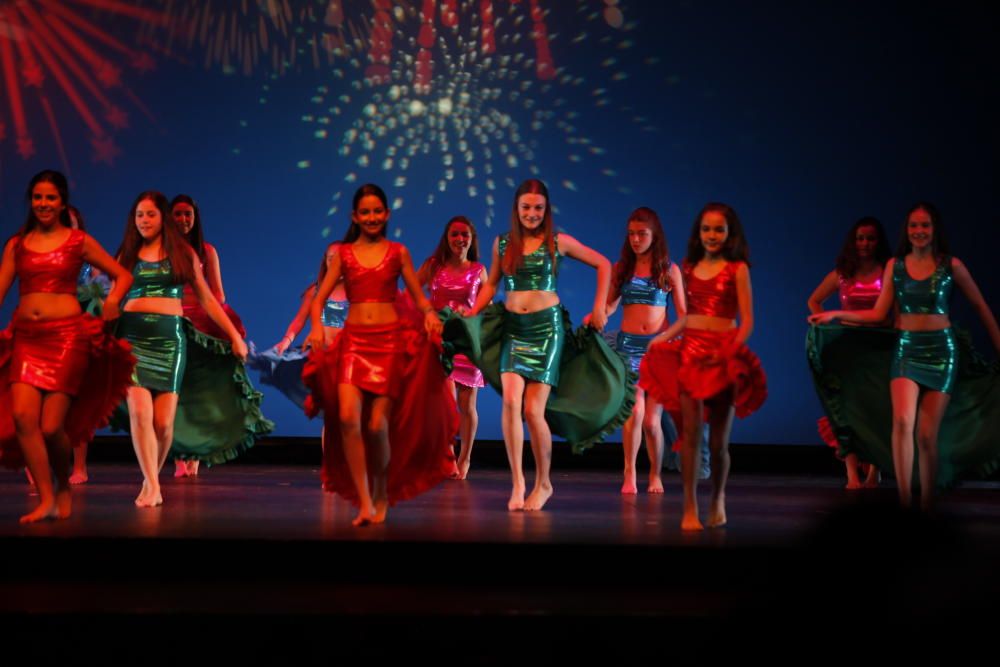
(853, 484)
(365, 517)
(78, 477)
(629, 486)
(538, 497)
(64, 504)
(142, 500)
(516, 501)
(40, 513)
(873, 479)
(655, 484)
(180, 468)
(717, 514)
(151, 499)
(193, 468)
(463, 468)
(381, 509)
(690, 521)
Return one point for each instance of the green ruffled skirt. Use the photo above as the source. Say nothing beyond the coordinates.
(596, 388)
(851, 369)
(218, 409)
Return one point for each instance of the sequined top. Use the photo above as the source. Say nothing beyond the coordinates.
(53, 272)
(644, 290)
(376, 284)
(535, 272)
(335, 313)
(715, 297)
(923, 297)
(858, 295)
(456, 288)
(154, 279)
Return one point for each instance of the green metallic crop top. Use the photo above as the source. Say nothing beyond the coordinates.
(154, 279)
(923, 297)
(535, 272)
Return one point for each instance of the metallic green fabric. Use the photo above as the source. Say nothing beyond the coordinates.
(160, 346)
(929, 296)
(851, 371)
(929, 358)
(154, 279)
(536, 271)
(532, 344)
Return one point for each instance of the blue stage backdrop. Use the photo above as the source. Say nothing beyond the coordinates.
(803, 116)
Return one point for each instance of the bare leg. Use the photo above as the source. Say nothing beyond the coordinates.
(720, 424)
(536, 395)
(354, 450)
(180, 468)
(378, 455)
(140, 414)
(513, 435)
(904, 393)
(468, 424)
(872, 476)
(691, 414)
(929, 415)
(193, 468)
(631, 439)
(653, 430)
(79, 475)
(851, 466)
(54, 409)
(26, 404)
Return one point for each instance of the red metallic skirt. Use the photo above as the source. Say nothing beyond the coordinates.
(400, 361)
(73, 355)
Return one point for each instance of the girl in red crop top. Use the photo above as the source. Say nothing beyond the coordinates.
(709, 373)
(52, 351)
(383, 366)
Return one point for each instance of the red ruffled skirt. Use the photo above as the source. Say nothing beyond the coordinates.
(203, 323)
(703, 364)
(396, 360)
(73, 355)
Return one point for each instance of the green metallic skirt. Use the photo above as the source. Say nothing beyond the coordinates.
(533, 344)
(929, 358)
(852, 368)
(159, 344)
(595, 391)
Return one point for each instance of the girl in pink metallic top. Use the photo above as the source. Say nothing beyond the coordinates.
(455, 276)
(857, 280)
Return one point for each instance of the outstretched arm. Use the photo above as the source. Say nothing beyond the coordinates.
(316, 339)
(968, 286)
(213, 273)
(489, 287)
(570, 247)
(431, 321)
(875, 315)
(214, 310)
(826, 289)
(295, 326)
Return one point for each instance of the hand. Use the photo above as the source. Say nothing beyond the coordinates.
(110, 311)
(282, 345)
(822, 318)
(586, 319)
(240, 349)
(461, 310)
(432, 323)
(316, 340)
(597, 319)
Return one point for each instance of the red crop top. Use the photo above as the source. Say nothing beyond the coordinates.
(54, 272)
(715, 297)
(375, 284)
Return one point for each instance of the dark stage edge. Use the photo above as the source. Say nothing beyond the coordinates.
(259, 553)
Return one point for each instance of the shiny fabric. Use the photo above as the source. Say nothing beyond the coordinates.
(851, 372)
(103, 378)
(715, 297)
(858, 295)
(643, 290)
(375, 284)
(159, 343)
(536, 271)
(154, 279)
(452, 289)
(281, 371)
(54, 272)
(201, 320)
(633, 347)
(51, 355)
(532, 344)
(929, 358)
(335, 313)
(371, 357)
(929, 296)
(596, 390)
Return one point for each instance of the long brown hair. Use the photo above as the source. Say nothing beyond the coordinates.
(195, 237)
(59, 181)
(175, 247)
(443, 250)
(660, 257)
(368, 189)
(735, 249)
(939, 240)
(848, 260)
(513, 256)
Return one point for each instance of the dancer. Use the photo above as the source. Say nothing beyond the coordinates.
(643, 280)
(927, 362)
(403, 447)
(60, 375)
(709, 373)
(162, 263)
(532, 335)
(455, 275)
(857, 279)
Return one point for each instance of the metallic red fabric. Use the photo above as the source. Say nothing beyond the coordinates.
(371, 284)
(715, 297)
(54, 272)
(51, 355)
(371, 357)
(205, 324)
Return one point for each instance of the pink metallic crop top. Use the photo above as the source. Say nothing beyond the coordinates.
(456, 288)
(715, 297)
(857, 295)
(375, 284)
(53, 272)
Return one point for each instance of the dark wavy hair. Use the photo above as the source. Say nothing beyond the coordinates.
(735, 249)
(848, 261)
(660, 260)
(175, 247)
(62, 186)
(76, 218)
(939, 240)
(443, 249)
(195, 237)
(513, 256)
(368, 189)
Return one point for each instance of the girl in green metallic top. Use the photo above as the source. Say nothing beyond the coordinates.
(925, 363)
(527, 260)
(152, 321)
